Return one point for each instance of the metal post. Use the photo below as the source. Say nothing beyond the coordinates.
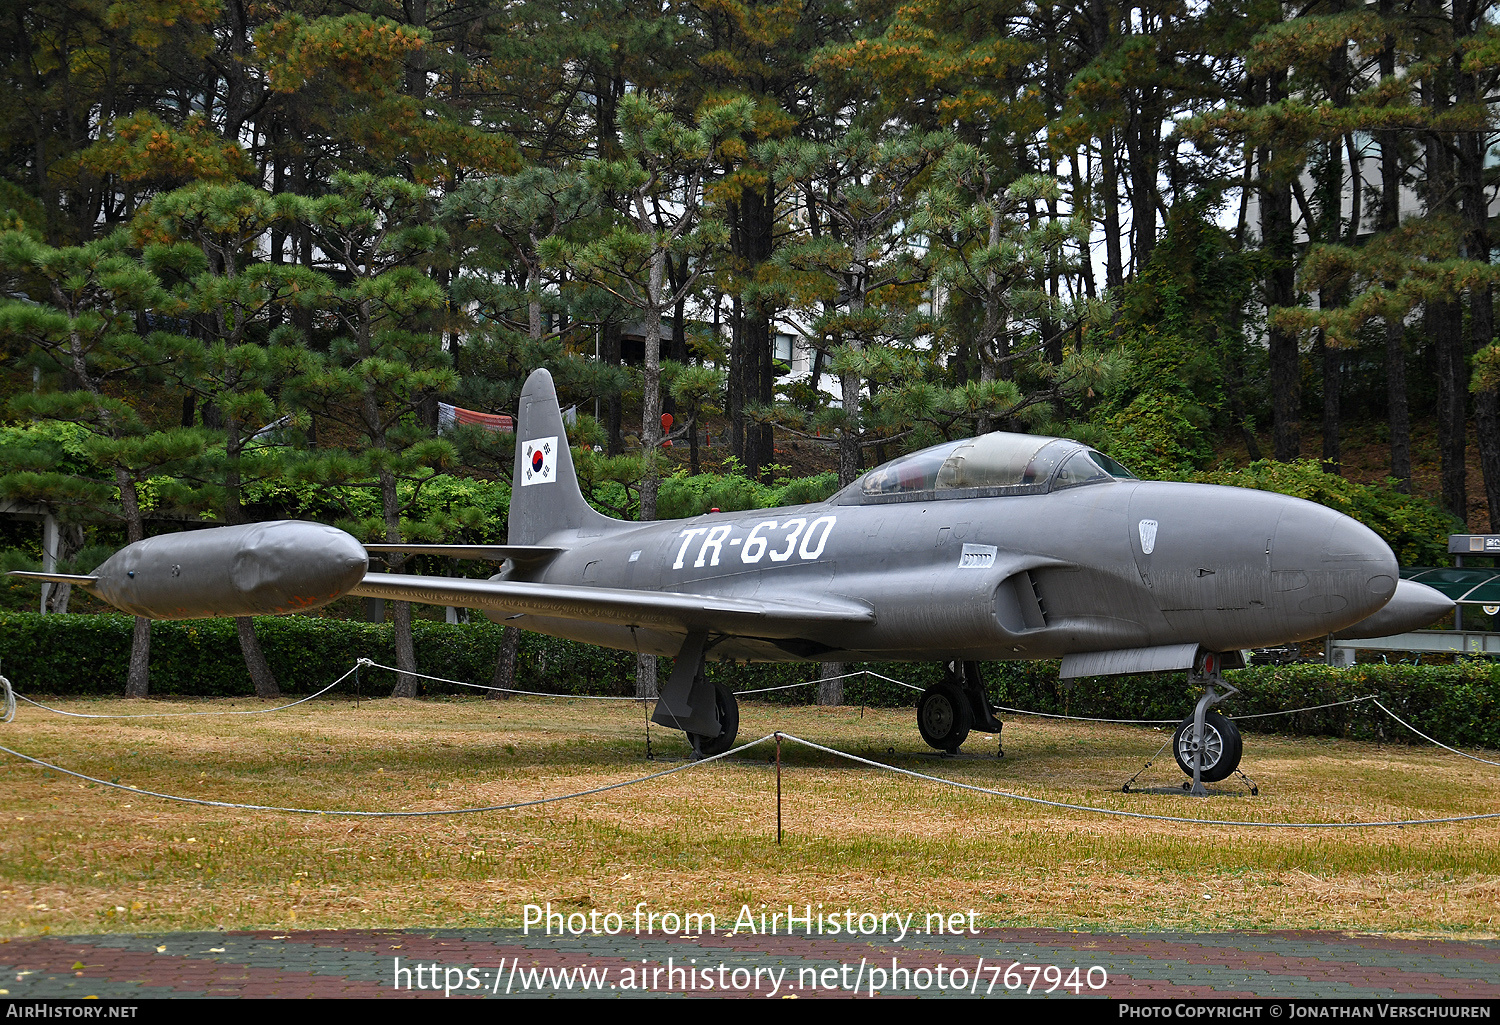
(1458, 610)
(778, 789)
(646, 707)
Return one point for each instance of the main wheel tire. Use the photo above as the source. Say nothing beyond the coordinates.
(1222, 747)
(944, 717)
(729, 724)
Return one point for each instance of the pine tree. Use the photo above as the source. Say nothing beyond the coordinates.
(81, 332)
(205, 240)
(384, 366)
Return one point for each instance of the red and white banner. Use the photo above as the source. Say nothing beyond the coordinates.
(450, 417)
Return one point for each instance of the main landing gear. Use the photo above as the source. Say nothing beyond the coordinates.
(706, 712)
(947, 711)
(728, 709)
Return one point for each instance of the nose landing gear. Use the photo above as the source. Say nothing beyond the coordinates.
(1207, 745)
(1220, 747)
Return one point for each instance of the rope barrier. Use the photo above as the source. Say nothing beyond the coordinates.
(1130, 814)
(1063, 805)
(10, 697)
(1160, 722)
(168, 715)
(1424, 736)
(386, 814)
(1308, 708)
(1081, 718)
(505, 690)
(830, 679)
(785, 686)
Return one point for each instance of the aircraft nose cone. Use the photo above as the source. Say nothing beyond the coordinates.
(1368, 558)
(1349, 572)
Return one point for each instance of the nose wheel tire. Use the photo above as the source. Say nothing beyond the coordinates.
(1222, 747)
(944, 717)
(729, 725)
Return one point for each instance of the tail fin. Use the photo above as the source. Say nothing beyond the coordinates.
(544, 498)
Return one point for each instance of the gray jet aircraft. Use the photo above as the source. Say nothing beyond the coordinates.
(1005, 546)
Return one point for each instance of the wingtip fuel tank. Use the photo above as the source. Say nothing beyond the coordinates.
(257, 569)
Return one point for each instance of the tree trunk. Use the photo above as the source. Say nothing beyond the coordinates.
(505, 665)
(138, 680)
(851, 454)
(1472, 150)
(830, 691)
(645, 676)
(1278, 242)
(994, 324)
(645, 665)
(1332, 419)
(1442, 322)
(613, 412)
(757, 241)
(1443, 318)
(406, 652)
(1114, 264)
(1397, 412)
(255, 659)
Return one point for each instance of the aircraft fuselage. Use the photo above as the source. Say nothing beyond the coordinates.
(1118, 564)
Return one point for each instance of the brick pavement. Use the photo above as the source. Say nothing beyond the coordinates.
(485, 962)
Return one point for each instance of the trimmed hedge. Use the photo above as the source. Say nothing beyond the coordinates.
(87, 655)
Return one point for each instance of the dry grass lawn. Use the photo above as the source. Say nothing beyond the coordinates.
(77, 857)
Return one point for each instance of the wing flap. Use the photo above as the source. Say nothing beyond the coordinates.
(771, 618)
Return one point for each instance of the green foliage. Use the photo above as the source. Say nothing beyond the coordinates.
(1159, 434)
(86, 655)
(49, 444)
(1179, 326)
(683, 495)
(1416, 529)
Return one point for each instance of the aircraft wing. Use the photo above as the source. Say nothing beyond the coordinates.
(760, 617)
(529, 555)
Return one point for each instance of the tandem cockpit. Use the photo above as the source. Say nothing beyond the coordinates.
(990, 465)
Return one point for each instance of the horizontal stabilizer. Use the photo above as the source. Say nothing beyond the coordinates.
(55, 578)
(760, 617)
(526, 555)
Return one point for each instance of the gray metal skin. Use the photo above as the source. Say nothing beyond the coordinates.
(1229, 568)
(1414, 606)
(259, 569)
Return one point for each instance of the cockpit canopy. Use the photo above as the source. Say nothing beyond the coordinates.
(992, 464)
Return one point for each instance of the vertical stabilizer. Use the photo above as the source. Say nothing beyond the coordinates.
(545, 498)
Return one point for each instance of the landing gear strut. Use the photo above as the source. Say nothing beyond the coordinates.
(707, 712)
(947, 711)
(1207, 745)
